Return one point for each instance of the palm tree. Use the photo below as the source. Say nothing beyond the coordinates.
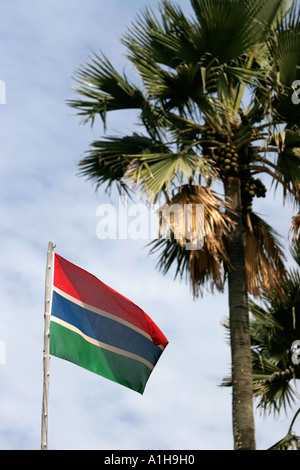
(215, 109)
(275, 331)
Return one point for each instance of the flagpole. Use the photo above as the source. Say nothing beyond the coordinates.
(46, 357)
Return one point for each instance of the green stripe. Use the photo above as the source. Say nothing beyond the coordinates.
(68, 345)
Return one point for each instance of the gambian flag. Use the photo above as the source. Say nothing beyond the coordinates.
(98, 329)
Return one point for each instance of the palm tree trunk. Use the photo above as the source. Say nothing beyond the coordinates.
(242, 399)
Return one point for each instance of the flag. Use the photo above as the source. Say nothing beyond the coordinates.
(98, 329)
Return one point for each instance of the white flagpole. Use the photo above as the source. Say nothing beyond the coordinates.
(46, 357)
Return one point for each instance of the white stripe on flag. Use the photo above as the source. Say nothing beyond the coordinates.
(100, 312)
(95, 342)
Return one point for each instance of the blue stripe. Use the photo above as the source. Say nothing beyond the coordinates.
(104, 329)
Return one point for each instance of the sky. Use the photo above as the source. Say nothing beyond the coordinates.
(43, 199)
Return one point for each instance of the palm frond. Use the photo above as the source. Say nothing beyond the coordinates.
(203, 267)
(138, 161)
(287, 166)
(155, 173)
(295, 227)
(184, 60)
(264, 256)
(240, 24)
(284, 46)
(291, 441)
(103, 89)
(108, 160)
(274, 327)
(273, 390)
(169, 40)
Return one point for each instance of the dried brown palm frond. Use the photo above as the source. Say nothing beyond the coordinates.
(265, 267)
(295, 227)
(209, 227)
(264, 257)
(211, 222)
(206, 266)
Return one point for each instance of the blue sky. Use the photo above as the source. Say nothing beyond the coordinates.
(43, 199)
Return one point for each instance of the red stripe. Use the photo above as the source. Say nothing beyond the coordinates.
(87, 288)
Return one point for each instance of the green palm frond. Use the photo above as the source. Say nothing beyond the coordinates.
(160, 51)
(274, 327)
(273, 372)
(109, 160)
(155, 173)
(240, 24)
(104, 89)
(287, 166)
(183, 60)
(274, 391)
(169, 40)
(224, 22)
(170, 254)
(139, 161)
(284, 45)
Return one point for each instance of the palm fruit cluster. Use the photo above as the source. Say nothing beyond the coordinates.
(228, 159)
(209, 135)
(250, 188)
(225, 155)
